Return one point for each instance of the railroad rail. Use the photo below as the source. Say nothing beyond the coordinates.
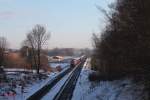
(67, 89)
(45, 89)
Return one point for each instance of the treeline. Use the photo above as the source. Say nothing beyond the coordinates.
(69, 52)
(3, 46)
(123, 48)
(61, 51)
(31, 55)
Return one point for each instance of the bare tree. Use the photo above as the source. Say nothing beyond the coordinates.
(3, 44)
(36, 39)
(95, 40)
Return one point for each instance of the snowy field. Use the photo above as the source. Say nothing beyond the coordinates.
(62, 65)
(31, 84)
(123, 89)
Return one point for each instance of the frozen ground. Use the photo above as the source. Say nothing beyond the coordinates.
(123, 89)
(65, 62)
(31, 85)
(62, 65)
(56, 88)
(11, 70)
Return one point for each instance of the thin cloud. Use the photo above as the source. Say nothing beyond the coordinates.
(6, 14)
(6, 0)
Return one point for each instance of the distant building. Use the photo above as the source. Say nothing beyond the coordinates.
(55, 58)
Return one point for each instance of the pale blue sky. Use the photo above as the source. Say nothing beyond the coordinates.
(71, 22)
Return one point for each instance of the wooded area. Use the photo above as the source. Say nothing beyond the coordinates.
(123, 48)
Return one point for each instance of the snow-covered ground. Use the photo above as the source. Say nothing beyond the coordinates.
(38, 86)
(124, 89)
(32, 89)
(31, 85)
(19, 70)
(65, 62)
(62, 65)
(52, 93)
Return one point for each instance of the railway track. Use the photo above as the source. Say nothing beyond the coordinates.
(67, 89)
(40, 93)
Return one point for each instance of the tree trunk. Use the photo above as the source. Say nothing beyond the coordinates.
(39, 61)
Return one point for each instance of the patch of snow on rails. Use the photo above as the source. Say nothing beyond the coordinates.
(39, 86)
(55, 89)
